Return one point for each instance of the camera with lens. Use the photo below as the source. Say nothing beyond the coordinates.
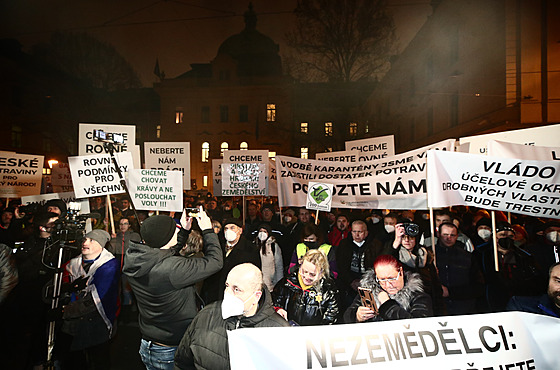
(411, 229)
(70, 230)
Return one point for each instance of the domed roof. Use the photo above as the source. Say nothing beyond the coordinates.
(255, 53)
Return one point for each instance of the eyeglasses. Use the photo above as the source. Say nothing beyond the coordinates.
(389, 280)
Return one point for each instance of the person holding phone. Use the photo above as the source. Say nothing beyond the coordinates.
(397, 294)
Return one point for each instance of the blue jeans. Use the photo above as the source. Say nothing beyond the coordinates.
(157, 357)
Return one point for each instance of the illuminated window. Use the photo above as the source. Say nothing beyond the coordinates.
(205, 114)
(224, 113)
(178, 116)
(243, 113)
(304, 127)
(328, 150)
(271, 112)
(328, 128)
(205, 181)
(158, 131)
(304, 152)
(353, 129)
(243, 146)
(223, 148)
(16, 136)
(272, 155)
(205, 151)
(367, 129)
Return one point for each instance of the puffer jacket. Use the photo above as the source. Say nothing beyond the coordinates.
(409, 302)
(318, 305)
(205, 343)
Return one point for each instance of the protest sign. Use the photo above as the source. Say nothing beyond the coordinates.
(272, 179)
(135, 150)
(397, 182)
(67, 197)
(20, 174)
(377, 147)
(245, 173)
(170, 157)
(509, 340)
(61, 179)
(157, 190)
(87, 146)
(539, 136)
(217, 177)
(319, 196)
(510, 150)
(502, 184)
(95, 175)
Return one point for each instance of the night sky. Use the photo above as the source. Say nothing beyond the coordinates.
(178, 32)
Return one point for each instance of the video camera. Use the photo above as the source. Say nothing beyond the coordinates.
(69, 231)
(108, 137)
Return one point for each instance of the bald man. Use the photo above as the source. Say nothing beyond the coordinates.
(247, 303)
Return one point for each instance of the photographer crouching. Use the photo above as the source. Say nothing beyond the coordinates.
(164, 282)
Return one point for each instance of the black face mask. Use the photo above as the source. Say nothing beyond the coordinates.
(311, 245)
(506, 243)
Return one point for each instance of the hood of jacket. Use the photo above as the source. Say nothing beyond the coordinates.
(412, 286)
(140, 258)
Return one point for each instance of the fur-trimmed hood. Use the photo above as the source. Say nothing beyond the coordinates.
(412, 286)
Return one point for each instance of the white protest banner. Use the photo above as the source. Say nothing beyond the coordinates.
(510, 150)
(354, 156)
(272, 179)
(20, 174)
(135, 150)
(502, 184)
(319, 196)
(61, 179)
(86, 144)
(67, 197)
(397, 182)
(171, 157)
(156, 190)
(498, 341)
(95, 175)
(539, 136)
(245, 173)
(217, 177)
(378, 147)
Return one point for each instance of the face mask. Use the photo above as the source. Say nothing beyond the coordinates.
(518, 243)
(506, 243)
(553, 236)
(484, 234)
(262, 235)
(389, 228)
(227, 208)
(287, 219)
(375, 220)
(233, 306)
(230, 235)
(310, 245)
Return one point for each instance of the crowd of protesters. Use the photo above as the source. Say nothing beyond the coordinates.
(343, 266)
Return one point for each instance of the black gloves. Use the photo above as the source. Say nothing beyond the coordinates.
(182, 238)
(75, 286)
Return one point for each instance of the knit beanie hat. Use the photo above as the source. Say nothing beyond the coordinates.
(158, 230)
(100, 236)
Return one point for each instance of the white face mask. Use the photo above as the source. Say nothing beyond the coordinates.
(262, 235)
(484, 234)
(230, 235)
(287, 219)
(389, 228)
(553, 236)
(375, 220)
(233, 306)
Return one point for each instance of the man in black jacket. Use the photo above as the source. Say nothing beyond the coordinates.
(246, 304)
(164, 282)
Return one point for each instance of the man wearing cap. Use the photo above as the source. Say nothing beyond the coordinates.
(237, 250)
(57, 206)
(546, 248)
(90, 315)
(164, 282)
(517, 275)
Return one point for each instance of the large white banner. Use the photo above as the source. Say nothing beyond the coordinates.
(377, 147)
(86, 144)
(95, 175)
(20, 174)
(171, 157)
(397, 182)
(272, 179)
(539, 136)
(510, 150)
(498, 341)
(245, 173)
(156, 190)
(502, 184)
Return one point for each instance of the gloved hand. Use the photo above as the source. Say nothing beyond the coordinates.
(75, 286)
(182, 237)
(55, 314)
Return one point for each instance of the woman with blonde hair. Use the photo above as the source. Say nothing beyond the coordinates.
(308, 296)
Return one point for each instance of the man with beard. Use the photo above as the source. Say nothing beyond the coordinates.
(547, 304)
